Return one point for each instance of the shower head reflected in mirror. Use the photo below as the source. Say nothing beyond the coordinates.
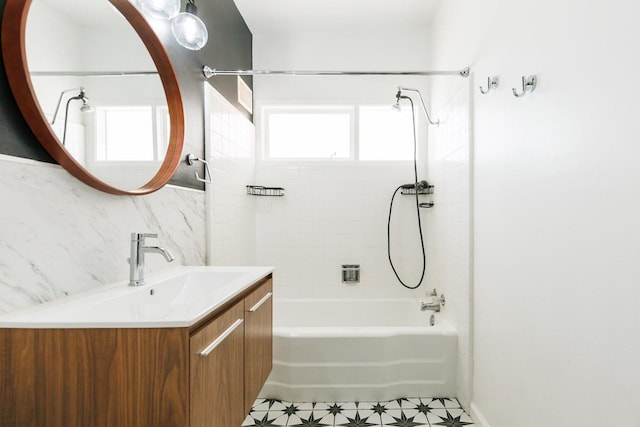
(85, 108)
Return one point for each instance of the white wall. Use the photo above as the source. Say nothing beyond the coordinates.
(555, 208)
(449, 224)
(376, 51)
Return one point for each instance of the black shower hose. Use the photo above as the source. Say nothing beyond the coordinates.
(416, 187)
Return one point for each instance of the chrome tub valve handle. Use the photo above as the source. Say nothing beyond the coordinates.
(435, 304)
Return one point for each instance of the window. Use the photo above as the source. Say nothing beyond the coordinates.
(385, 134)
(367, 133)
(309, 133)
(131, 133)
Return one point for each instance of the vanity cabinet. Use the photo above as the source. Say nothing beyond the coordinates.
(205, 375)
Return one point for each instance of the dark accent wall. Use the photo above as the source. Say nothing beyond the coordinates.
(229, 48)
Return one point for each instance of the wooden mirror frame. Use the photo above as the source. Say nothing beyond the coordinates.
(15, 63)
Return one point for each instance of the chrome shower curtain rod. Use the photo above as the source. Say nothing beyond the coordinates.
(211, 72)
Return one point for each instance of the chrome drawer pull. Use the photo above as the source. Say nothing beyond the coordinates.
(222, 337)
(259, 303)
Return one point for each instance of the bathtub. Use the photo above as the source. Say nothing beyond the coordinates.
(359, 350)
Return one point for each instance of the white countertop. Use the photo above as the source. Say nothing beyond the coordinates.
(176, 297)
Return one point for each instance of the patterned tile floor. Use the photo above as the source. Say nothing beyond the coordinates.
(411, 412)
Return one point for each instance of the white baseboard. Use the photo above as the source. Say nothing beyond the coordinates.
(478, 418)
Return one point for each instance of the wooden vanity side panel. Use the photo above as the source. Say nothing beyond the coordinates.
(94, 377)
(161, 377)
(258, 343)
(12, 412)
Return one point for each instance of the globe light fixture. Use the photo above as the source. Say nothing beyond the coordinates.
(188, 29)
(159, 9)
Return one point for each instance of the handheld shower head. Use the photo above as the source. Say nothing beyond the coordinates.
(421, 185)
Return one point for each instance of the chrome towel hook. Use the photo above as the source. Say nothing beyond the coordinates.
(492, 84)
(529, 84)
(191, 159)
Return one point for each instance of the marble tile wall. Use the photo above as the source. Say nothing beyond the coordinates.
(59, 236)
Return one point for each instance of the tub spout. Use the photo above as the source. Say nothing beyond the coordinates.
(435, 306)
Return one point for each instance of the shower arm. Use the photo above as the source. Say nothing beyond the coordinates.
(424, 107)
(66, 118)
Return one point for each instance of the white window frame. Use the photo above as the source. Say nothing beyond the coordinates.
(354, 111)
(351, 110)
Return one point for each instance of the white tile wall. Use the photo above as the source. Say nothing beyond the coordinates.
(337, 213)
(450, 225)
(334, 214)
(229, 144)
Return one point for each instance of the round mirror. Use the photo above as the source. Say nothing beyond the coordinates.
(98, 90)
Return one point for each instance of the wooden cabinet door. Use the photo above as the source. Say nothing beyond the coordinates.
(258, 341)
(217, 371)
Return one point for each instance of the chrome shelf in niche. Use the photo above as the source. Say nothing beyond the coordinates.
(258, 190)
(425, 189)
(421, 191)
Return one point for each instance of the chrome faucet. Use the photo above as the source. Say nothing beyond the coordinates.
(136, 262)
(435, 304)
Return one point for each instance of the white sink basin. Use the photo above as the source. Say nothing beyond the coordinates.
(175, 298)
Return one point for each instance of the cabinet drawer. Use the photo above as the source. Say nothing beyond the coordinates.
(217, 371)
(261, 296)
(258, 340)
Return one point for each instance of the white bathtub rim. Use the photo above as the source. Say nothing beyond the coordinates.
(442, 328)
(389, 364)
